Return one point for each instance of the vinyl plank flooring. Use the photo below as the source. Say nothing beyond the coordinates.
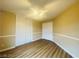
(38, 49)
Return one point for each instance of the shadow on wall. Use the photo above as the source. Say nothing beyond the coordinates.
(7, 29)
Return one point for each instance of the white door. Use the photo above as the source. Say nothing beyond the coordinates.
(47, 31)
(28, 30)
(20, 31)
(23, 31)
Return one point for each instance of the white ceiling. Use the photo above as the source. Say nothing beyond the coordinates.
(37, 9)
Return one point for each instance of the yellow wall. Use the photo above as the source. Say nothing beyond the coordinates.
(0, 22)
(37, 29)
(66, 29)
(8, 25)
(37, 26)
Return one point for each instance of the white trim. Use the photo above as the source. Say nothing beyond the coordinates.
(14, 46)
(65, 49)
(37, 33)
(6, 49)
(67, 36)
(7, 36)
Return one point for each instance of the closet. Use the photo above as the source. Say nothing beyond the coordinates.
(47, 30)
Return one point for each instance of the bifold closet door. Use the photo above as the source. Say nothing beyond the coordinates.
(23, 30)
(20, 30)
(47, 30)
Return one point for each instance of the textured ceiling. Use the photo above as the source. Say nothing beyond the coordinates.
(37, 9)
(40, 3)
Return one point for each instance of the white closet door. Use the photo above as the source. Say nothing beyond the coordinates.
(28, 30)
(20, 31)
(23, 31)
(47, 31)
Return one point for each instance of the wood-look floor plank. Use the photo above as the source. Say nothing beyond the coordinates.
(37, 49)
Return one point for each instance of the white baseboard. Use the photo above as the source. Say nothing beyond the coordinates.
(14, 46)
(65, 50)
(66, 36)
(6, 49)
(6, 36)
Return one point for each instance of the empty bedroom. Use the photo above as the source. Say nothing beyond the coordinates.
(39, 28)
